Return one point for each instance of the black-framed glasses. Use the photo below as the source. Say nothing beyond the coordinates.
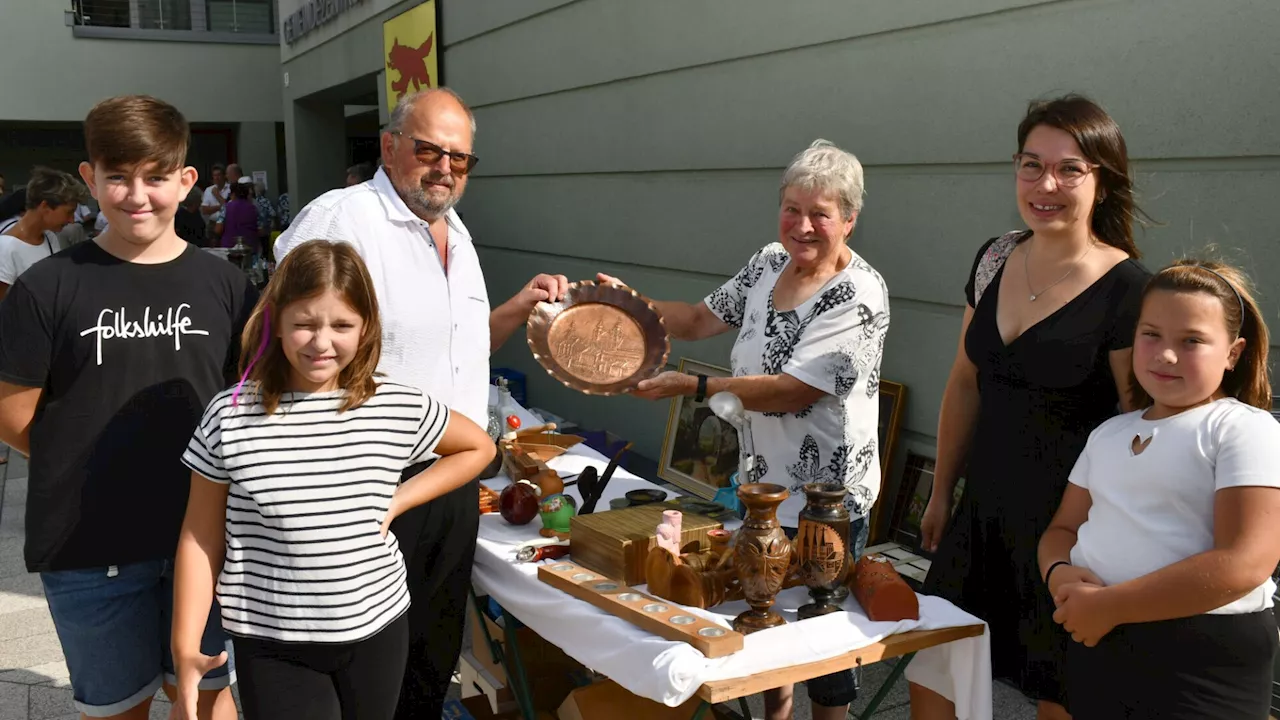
(1069, 173)
(460, 163)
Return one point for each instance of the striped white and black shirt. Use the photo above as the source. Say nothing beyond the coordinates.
(310, 487)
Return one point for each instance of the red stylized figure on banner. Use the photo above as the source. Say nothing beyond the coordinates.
(411, 63)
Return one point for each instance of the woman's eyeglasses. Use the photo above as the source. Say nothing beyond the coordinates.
(460, 163)
(1068, 173)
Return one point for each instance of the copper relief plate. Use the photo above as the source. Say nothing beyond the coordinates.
(600, 340)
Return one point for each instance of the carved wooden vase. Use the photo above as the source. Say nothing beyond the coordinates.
(821, 548)
(761, 555)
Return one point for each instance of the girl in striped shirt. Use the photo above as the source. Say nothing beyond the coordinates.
(295, 482)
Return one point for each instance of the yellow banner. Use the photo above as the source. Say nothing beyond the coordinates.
(409, 46)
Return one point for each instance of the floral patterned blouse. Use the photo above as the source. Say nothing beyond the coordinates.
(833, 342)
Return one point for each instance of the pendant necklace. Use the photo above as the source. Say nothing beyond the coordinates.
(1026, 269)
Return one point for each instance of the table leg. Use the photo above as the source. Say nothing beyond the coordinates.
(885, 687)
(512, 663)
(515, 667)
(701, 711)
(746, 709)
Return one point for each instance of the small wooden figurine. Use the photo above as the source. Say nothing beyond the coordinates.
(690, 576)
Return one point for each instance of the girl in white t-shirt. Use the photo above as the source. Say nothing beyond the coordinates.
(1160, 557)
(295, 482)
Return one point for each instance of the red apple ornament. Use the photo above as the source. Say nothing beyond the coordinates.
(518, 503)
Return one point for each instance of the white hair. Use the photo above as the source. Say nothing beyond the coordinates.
(405, 107)
(823, 166)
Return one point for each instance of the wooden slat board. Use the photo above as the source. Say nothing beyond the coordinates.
(718, 691)
(615, 598)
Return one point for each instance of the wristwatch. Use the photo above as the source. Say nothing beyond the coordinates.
(702, 388)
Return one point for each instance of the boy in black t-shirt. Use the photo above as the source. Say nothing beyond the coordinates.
(109, 352)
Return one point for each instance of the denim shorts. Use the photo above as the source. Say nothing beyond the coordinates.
(114, 625)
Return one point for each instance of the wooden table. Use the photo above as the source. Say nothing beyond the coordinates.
(904, 645)
(718, 691)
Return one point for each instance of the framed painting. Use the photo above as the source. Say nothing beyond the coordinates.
(699, 450)
(893, 401)
(913, 497)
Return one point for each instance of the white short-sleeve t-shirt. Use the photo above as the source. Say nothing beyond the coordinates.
(16, 256)
(1155, 508)
(833, 342)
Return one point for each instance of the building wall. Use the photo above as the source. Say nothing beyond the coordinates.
(256, 150)
(647, 139)
(51, 76)
(335, 64)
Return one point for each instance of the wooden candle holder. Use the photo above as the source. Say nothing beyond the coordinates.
(660, 617)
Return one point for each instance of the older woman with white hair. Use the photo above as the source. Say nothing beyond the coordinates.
(811, 316)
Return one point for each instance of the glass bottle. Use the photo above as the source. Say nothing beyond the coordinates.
(494, 427)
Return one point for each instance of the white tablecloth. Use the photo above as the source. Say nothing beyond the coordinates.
(671, 672)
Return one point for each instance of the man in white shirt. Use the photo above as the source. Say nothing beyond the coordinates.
(437, 333)
(215, 196)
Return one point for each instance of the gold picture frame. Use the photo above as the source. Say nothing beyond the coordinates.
(893, 402)
(699, 450)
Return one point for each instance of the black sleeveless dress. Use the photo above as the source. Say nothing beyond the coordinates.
(1041, 396)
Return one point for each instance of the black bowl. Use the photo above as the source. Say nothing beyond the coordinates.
(645, 497)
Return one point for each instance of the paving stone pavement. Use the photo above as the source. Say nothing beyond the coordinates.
(33, 674)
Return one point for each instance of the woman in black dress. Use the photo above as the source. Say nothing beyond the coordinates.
(1044, 357)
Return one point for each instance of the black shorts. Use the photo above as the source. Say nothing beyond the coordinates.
(1207, 667)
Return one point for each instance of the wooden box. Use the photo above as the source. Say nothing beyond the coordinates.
(615, 543)
(550, 672)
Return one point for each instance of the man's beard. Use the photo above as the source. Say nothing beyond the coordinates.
(415, 196)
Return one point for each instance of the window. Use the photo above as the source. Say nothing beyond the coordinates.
(164, 14)
(250, 22)
(103, 13)
(241, 16)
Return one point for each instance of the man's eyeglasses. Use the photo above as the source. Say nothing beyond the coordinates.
(1068, 173)
(460, 163)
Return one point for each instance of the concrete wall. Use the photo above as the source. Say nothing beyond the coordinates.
(50, 75)
(354, 16)
(338, 63)
(256, 150)
(647, 139)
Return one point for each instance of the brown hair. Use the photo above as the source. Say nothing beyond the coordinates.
(307, 271)
(129, 130)
(1100, 140)
(54, 188)
(1250, 380)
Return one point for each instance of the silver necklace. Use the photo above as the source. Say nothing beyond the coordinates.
(1026, 269)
